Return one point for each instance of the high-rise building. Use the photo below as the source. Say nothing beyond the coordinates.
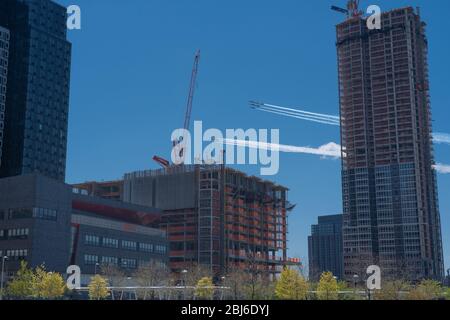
(325, 247)
(37, 92)
(390, 200)
(4, 52)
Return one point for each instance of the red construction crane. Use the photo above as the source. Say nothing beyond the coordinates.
(352, 9)
(180, 145)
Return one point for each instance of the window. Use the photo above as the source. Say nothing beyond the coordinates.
(91, 240)
(17, 254)
(44, 214)
(110, 261)
(90, 259)
(128, 263)
(160, 249)
(18, 233)
(146, 247)
(110, 243)
(15, 214)
(129, 245)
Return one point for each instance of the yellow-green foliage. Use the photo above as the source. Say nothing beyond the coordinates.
(328, 288)
(21, 284)
(291, 286)
(203, 289)
(98, 288)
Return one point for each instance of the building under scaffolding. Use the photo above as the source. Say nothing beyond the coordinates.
(216, 216)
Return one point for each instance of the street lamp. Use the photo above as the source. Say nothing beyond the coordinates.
(95, 268)
(4, 258)
(184, 273)
(355, 280)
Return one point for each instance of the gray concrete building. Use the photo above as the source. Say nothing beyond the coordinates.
(45, 222)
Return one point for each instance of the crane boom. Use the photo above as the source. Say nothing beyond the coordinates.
(187, 118)
(180, 145)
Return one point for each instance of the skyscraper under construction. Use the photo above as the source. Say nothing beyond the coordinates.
(390, 200)
(216, 216)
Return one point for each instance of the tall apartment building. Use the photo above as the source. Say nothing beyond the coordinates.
(4, 53)
(325, 247)
(37, 93)
(216, 216)
(390, 200)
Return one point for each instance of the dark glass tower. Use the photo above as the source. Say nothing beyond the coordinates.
(325, 247)
(37, 93)
(4, 52)
(390, 200)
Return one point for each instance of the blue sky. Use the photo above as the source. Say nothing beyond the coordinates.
(130, 73)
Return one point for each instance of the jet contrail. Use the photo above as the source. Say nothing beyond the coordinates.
(331, 117)
(442, 168)
(299, 116)
(330, 149)
(439, 137)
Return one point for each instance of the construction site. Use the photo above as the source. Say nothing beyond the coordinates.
(216, 216)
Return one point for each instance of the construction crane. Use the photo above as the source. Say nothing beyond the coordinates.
(352, 10)
(180, 145)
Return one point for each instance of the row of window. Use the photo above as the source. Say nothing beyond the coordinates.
(97, 241)
(29, 213)
(20, 233)
(127, 263)
(15, 254)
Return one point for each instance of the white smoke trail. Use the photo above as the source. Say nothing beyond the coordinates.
(299, 116)
(442, 168)
(439, 137)
(327, 150)
(322, 115)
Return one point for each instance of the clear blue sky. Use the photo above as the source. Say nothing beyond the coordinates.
(131, 68)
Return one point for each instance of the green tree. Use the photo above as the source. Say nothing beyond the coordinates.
(47, 285)
(392, 290)
(291, 286)
(426, 290)
(327, 288)
(21, 284)
(347, 292)
(447, 294)
(204, 288)
(98, 288)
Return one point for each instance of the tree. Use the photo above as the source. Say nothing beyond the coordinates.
(392, 290)
(47, 285)
(195, 272)
(426, 290)
(21, 284)
(154, 274)
(204, 288)
(257, 282)
(347, 292)
(235, 280)
(291, 286)
(98, 288)
(328, 287)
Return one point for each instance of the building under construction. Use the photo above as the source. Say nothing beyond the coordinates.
(216, 216)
